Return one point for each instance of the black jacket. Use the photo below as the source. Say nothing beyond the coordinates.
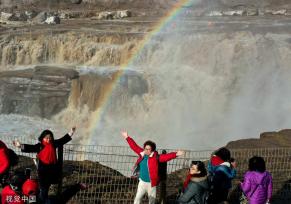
(48, 174)
(221, 183)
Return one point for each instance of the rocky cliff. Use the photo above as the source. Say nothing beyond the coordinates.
(37, 91)
(45, 91)
(279, 139)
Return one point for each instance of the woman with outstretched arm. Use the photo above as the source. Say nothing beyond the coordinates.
(47, 166)
(148, 163)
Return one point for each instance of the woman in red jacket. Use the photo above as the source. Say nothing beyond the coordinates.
(148, 164)
(8, 158)
(48, 167)
(4, 158)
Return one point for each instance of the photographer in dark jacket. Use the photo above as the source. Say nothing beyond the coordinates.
(47, 167)
(222, 168)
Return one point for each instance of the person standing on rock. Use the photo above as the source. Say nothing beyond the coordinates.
(147, 165)
(47, 166)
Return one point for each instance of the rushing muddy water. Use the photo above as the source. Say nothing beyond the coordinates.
(198, 83)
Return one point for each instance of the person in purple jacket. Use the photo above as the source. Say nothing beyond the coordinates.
(257, 184)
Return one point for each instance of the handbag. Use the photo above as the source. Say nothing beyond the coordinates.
(243, 198)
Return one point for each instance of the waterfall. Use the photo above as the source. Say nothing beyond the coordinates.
(205, 90)
(198, 83)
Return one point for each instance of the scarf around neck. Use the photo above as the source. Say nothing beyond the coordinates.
(48, 154)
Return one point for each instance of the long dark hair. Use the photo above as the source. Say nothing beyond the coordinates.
(201, 167)
(44, 133)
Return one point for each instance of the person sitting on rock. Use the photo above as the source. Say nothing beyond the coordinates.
(47, 167)
(148, 165)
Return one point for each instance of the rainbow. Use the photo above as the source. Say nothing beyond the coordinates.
(163, 22)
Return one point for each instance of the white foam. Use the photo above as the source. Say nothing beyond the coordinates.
(16, 126)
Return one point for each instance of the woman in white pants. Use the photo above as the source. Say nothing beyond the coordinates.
(147, 165)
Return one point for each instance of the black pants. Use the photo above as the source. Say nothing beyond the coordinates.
(43, 192)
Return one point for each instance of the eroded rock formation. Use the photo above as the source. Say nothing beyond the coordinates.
(39, 91)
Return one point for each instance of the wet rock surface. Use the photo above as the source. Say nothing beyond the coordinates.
(44, 91)
(40, 91)
(91, 89)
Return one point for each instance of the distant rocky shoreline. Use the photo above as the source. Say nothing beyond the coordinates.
(278, 139)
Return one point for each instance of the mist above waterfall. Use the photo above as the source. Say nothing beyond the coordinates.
(205, 90)
(186, 89)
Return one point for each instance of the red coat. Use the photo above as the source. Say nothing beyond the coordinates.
(152, 161)
(8, 196)
(4, 160)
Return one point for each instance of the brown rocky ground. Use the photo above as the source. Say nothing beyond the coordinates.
(281, 138)
(107, 185)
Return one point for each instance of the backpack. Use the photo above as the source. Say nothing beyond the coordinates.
(209, 192)
(205, 197)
